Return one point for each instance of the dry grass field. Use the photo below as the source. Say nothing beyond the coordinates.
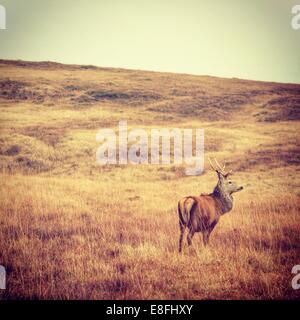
(72, 229)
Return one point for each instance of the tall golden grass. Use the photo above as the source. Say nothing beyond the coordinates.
(82, 239)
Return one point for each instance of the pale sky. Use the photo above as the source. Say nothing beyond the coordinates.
(250, 39)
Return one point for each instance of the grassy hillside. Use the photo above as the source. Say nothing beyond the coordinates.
(70, 228)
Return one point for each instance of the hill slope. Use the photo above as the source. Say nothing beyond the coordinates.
(71, 228)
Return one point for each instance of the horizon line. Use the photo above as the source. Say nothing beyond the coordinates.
(147, 70)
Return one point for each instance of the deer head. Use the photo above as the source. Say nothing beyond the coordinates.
(225, 185)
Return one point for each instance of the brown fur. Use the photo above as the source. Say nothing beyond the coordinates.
(199, 214)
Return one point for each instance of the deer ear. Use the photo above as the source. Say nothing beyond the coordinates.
(228, 174)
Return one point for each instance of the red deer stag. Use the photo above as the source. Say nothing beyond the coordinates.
(202, 213)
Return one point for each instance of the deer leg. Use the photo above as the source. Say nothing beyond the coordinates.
(190, 236)
(182, 228)
(206, 235)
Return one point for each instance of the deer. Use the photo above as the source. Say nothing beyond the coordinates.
(202, 213)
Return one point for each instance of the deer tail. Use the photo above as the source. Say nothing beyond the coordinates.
(185, 206)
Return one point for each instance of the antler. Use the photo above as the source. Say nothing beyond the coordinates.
(218, 168)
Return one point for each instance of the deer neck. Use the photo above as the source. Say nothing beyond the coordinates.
(225, 199)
